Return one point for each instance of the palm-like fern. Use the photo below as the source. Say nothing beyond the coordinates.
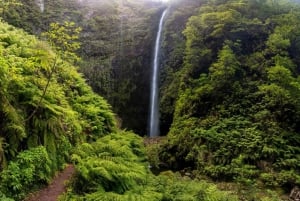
(114, 169)
(109, 164)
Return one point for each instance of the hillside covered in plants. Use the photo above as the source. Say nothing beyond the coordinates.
(50, 117)
(116, 47)
(74, 73)
(236, 109)
(46, 108)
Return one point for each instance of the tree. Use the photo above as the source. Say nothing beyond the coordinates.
(223, 71)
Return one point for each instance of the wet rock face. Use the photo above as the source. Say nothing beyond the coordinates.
(295, 194)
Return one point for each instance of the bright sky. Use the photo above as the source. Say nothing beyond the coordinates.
(162, 0)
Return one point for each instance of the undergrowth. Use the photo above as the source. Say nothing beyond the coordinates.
(115, 168)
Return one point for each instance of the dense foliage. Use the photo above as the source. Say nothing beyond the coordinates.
(237, 113)
(31, 169)
(172, 54)
(45, 108)
(114, 168)
(117, 40)
(230, 91)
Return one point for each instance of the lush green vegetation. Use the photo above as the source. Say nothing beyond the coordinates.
(115, 168)
(116, 47)
(173, 47)
(46, 108)
(230, 91)
(237, 111)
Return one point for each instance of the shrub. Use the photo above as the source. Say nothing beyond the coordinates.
(114, 168)
(4, 198)
(30, 169)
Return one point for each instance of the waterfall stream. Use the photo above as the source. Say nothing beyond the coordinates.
(154, 109)
(41, 4)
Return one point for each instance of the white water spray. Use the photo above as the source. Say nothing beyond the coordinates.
(41, 4)
(154, 109)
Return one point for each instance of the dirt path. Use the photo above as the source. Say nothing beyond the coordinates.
(56, 188)
(154, 140)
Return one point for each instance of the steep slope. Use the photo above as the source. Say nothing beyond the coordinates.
(118, 61)
(117, 42)
(172, 56)
(237, 112)
(45, 108)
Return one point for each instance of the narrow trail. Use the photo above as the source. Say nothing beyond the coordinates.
(56, 188)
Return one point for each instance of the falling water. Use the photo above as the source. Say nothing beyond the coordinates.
(154, 110)
(122, 16)
(41, 4)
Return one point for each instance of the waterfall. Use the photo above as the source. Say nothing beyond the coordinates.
(41, 4)
(154, 109)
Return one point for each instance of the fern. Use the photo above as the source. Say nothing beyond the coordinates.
(40, 105)
(109, 164)
(114, 168)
